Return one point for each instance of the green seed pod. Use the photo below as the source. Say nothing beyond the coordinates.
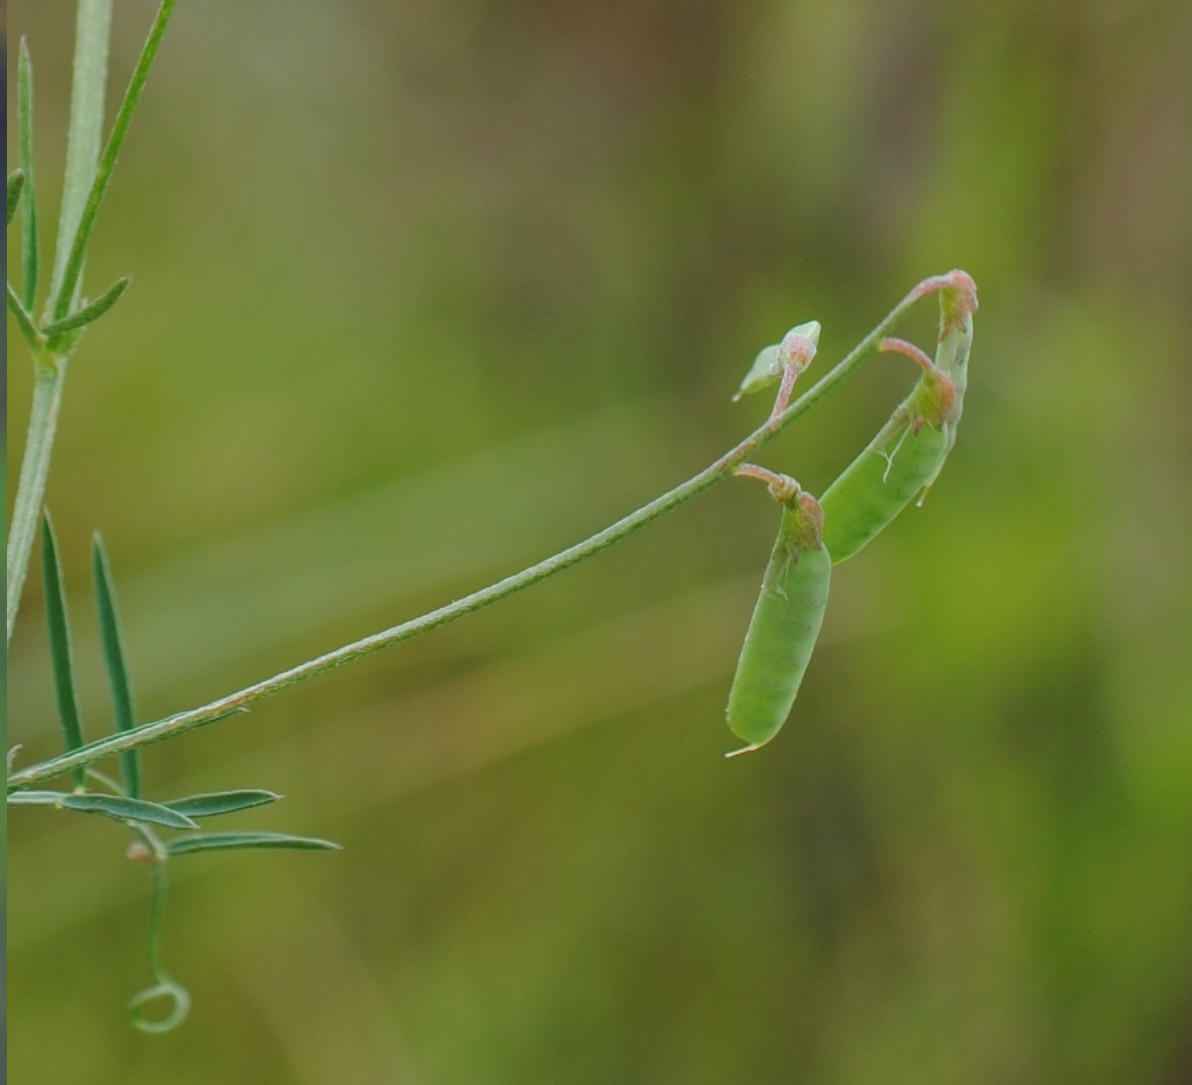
(903, 458)
(784, 626)
(906, 456)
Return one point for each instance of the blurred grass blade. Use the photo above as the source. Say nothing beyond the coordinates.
(60, 655)
(67, 281)
(228, 841)
(117, 807)
(113, 654)
(16, 182)
(25, 161)
(90, 312)
(221, 802)
(24, 321)
(125, 809)
(84, 136)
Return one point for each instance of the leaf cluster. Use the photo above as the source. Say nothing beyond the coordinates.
(122, 800)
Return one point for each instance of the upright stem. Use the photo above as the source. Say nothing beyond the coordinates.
(84, 137)
(50, 373)
(68, 269)
(234, 703)
(93, 30)
(87, 177)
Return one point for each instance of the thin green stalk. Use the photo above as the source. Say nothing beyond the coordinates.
(67, 274)
(35, 468)
(87, 107)
(92, 29)
(84, 136)
(234, 703)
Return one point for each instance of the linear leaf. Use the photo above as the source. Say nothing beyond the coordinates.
(90, 312)
(221, 802)
(16, 182)
(71, 264)
(84, 134)
(226, 841)
(113, 654)
(25, 161)
(60, 654)
(112, 806)
(24, 320)
(125, 809)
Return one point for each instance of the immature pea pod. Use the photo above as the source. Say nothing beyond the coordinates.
(906, 456)
(785, 622)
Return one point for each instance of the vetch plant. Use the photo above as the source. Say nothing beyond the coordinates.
(901, 462)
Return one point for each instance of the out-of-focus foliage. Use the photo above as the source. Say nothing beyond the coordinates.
(425, 291)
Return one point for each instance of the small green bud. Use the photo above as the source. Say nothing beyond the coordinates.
(795, 351)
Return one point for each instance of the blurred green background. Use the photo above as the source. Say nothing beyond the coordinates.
(426, 291)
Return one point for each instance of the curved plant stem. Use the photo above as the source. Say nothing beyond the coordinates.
(164, 989)
(237, 702)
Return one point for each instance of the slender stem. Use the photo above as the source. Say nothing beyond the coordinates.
(916, 354)
(92, 30)
(50, 373)
(782, 487)
(65, 286)
(234, 703)
(84, 135)
(76, 225)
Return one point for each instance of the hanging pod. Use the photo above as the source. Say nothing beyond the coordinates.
(906, 456)
(785, 622)
(898, 463)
